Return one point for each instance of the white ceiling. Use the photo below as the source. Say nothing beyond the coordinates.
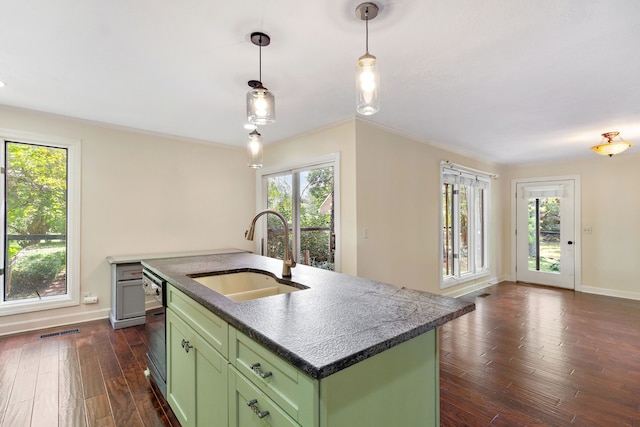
(511, 81)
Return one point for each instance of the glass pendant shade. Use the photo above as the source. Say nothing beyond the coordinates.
(611, 147)
(254, 150)
(261, 106)
(367, 85)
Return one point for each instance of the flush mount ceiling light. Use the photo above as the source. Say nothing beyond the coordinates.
(367, 76)
(611, 147)
(261, 104)
(254, 150)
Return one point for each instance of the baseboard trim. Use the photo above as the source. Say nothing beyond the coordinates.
(151, 304)
(67, 319)
(610, 292)
(473, 286)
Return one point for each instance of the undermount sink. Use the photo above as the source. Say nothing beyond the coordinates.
(244, 286)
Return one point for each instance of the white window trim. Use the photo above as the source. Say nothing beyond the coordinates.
(450, 281)
(332, 159)
(74, 161)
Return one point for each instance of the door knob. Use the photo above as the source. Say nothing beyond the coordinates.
(570, 242)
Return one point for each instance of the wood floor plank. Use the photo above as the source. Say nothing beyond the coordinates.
(27, 374)
(72, 413)
(98, 411)
(107, 359)
(150, 409)
(69, 378)
(45, 405)
(9, 360)
(122, 404)
(18, 414)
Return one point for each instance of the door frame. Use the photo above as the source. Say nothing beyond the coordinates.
(577, 223)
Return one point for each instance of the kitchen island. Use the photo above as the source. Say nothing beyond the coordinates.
(353, 351)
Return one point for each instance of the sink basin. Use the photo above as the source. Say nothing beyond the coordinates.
(244, 286)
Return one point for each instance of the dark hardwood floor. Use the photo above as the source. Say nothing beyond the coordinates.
(94, 377)
(528, 355)
(532, 355)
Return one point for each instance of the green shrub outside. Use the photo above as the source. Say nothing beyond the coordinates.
(37, 267)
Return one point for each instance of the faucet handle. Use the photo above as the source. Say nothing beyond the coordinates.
(291, 261)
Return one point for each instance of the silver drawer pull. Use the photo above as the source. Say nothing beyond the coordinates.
(253, 404)
(186, 345)
(258, 370)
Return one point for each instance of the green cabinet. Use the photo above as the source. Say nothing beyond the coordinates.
(218, 376)
(197, 379)
(249, 406)
(399, 386)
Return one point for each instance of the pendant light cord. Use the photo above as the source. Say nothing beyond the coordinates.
(260, 60)
(366, 24)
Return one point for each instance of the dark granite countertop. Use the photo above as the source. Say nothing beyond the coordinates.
(339, 321)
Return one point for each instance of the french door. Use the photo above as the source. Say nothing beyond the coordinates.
(545, 232)
(305, 197)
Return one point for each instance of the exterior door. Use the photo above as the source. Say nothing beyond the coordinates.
(545, 232)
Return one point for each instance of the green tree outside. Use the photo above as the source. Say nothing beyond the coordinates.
(36, 204)
(316, 192)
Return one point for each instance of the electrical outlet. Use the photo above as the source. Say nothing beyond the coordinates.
(90, 300)
(587, 229)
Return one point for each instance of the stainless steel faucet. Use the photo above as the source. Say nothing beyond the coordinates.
(288, 262)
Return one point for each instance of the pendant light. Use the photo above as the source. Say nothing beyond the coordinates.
(611, 147)
(261, 104)
(254, 150)
(367, 76)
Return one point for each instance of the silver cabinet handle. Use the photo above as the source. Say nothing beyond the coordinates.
(258, 370)
(186, 345)
(253, 404)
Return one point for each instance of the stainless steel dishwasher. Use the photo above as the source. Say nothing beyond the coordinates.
(157, 332)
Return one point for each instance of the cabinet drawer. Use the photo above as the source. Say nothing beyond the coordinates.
(295, 392)
(210, 327)
(129, 271)
(248, 404)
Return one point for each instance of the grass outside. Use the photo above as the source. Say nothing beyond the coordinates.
(36, 271)
(549, 258)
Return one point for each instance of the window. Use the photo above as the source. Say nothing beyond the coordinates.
(40, 217)
(464, 219)
(307, 197)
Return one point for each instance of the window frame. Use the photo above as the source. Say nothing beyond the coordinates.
(332, 160)
(74, 161)
(474, 181)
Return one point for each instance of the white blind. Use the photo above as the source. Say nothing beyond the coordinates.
(543, 192)
(456, 176)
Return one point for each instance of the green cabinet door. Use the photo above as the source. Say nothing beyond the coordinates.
(181, 370)
(197, 377)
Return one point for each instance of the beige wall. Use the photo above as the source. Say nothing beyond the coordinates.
(339, 138)
(142, 193)
(390, 185)
(610, 204)
(398, 193)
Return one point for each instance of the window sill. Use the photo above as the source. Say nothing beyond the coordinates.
(48, 303)
(450, 282)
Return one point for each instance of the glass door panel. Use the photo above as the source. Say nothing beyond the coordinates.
(305, 199)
